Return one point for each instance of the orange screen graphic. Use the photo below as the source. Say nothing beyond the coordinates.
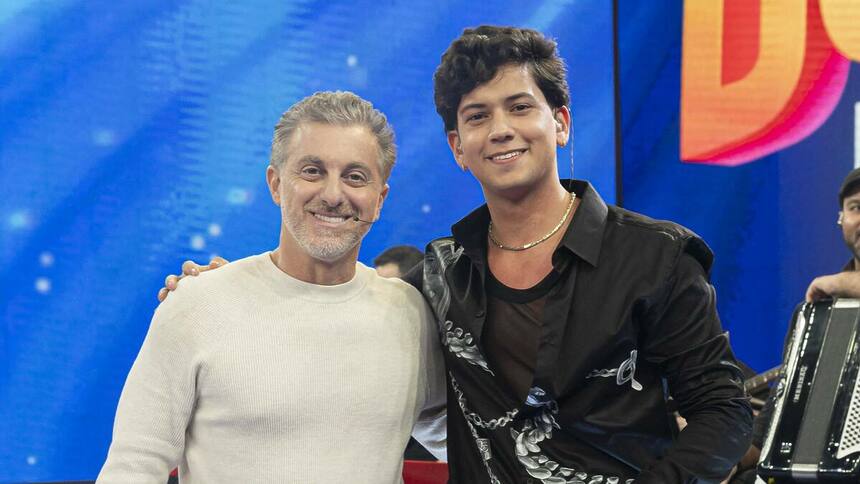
(760, 75)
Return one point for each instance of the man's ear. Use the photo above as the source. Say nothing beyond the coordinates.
(562, 125)
(839, 220)
(382, 195)
(456, 149)
(273, 180)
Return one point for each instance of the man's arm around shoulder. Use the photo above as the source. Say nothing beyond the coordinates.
(431, 427)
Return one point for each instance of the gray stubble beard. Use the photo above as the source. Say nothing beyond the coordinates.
(330, 248)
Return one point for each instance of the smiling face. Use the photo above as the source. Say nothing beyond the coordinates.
(332, 174)
(507, 133)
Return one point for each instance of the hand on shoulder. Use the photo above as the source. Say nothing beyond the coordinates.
(189, 268)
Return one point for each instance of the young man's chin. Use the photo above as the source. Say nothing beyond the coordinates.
(511, 185)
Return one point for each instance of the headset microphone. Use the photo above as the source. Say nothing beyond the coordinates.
(356, 219)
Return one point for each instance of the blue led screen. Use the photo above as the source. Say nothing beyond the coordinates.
(772, 220)
(135, 135)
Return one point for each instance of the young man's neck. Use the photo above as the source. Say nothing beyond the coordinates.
(523, 219)
(299, 264)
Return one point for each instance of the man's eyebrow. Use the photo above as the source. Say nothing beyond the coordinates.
(518, 95)
(512, 97)
(312, 159)
(472, 106)
(317, 161)
(356, 164)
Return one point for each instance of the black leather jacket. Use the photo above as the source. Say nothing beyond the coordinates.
(631, 321)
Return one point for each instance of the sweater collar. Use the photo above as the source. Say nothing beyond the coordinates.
(289, 285)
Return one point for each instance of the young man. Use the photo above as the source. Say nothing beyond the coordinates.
(300, 364)
(566, 322)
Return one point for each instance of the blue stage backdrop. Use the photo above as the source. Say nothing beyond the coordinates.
(135, 135)
(758, 99)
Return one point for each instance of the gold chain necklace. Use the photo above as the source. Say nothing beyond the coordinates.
(552, 232)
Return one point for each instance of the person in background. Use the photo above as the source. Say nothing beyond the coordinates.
(845, 283)
(397, 260)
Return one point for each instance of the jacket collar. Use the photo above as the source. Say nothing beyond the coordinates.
(583, 237)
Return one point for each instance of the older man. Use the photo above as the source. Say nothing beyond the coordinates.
(299, 364)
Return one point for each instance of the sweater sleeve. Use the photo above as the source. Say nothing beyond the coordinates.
(431, 426)
(155, 405)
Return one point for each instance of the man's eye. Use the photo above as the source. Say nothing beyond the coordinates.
(475, 117)
(520, 107)
(311, 171)
(356, 178)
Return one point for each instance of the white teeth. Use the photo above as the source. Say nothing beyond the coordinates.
(331, 220)
(507, 156)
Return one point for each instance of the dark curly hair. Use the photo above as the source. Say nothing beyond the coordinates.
(476, 56)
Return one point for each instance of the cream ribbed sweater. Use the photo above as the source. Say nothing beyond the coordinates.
(250, 375)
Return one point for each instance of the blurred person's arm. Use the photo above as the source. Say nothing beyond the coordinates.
(843, 284)
(762, 420)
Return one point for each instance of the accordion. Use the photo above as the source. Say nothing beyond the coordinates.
(814, 435)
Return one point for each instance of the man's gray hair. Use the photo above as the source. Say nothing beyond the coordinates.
(338, 108)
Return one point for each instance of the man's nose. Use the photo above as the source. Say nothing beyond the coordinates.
(332, 192)
(500, 129)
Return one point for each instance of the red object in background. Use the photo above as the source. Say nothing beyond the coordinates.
(414, 472)
(424, 472)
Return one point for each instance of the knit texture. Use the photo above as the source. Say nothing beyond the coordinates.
(250, 375)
